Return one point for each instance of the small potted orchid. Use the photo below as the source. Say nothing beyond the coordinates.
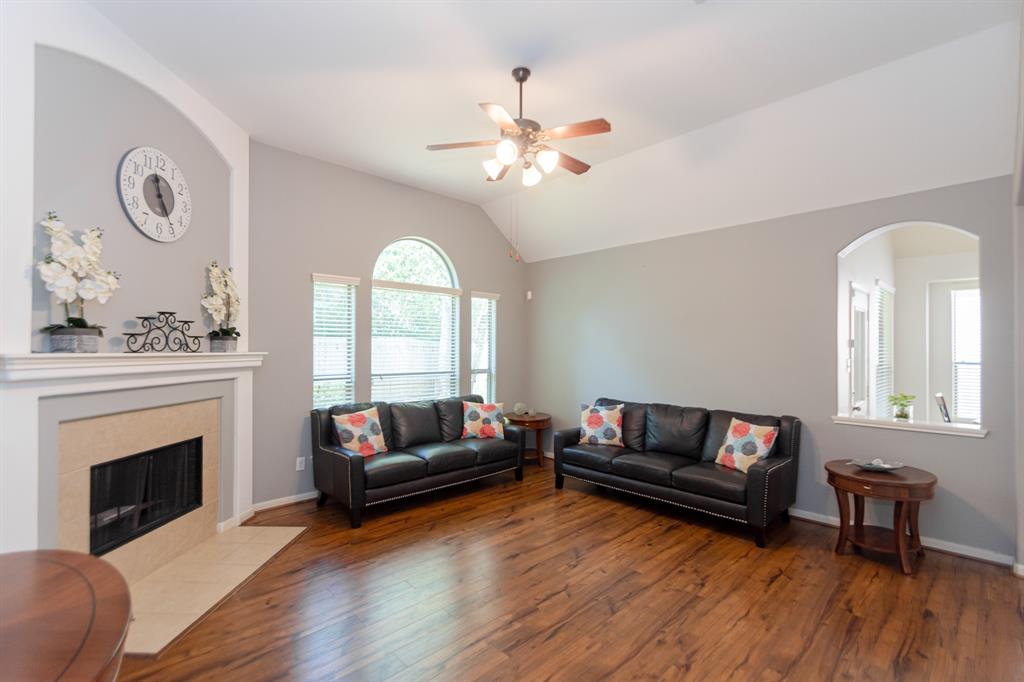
(222, 304)
(74, 274)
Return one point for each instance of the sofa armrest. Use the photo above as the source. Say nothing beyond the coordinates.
(563, 438)
(517, 435)
(337, 471)
(771, 486)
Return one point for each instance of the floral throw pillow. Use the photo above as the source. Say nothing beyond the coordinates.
(483, 420)
(360, 432)
(601, 425)
(745, 444)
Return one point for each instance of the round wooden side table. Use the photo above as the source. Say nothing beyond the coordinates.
(906, 487)
(63, 615)
(536, 423)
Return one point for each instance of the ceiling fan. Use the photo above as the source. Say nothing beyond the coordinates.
(523, 139)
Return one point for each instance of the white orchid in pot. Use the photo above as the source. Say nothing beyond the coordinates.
(222, 304)
(73, 272)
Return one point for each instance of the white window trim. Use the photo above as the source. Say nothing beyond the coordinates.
(407, 286)
(334, 279)
(485, 294)
(492, 371)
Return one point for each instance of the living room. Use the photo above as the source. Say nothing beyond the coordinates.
(465, 340)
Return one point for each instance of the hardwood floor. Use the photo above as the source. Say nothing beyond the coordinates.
(506, 581)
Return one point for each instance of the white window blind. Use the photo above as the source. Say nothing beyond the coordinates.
(883, 351)
(966, 354)
(482, 360)
(333, 340)
(414, 352)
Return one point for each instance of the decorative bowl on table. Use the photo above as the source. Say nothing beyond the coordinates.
(876, 464)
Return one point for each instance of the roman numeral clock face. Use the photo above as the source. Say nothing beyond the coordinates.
(154, 194)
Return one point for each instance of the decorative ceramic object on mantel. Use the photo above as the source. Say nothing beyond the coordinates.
(222, 304)
(74, 274)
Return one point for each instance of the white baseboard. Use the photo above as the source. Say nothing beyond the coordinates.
(933, 543)
(282, 501)
(1018, 570)
(227, 525)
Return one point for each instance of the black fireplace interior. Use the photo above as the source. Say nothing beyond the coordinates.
(139, 493)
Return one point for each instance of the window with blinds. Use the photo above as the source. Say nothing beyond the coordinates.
(414, 351)
(883, 351)
(482, 354)
(334, 328)
(966, 318)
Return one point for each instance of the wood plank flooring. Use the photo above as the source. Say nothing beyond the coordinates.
(517, 581)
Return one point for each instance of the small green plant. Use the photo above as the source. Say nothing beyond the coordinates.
(902, 403)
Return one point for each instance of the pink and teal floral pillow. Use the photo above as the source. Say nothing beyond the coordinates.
(601, 425)
(483, 420)
(745, 444)
(360, 432)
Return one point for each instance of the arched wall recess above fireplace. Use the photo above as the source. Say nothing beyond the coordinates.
(908, 323)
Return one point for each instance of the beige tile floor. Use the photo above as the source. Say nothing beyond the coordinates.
(170, 599)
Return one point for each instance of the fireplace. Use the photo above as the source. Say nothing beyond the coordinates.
(134, 495)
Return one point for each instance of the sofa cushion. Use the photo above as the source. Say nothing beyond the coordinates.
(634, 421)
(676, 430)
(745, 444)
(718, 425)
(414, 423)
(596, 457)
(712, 480)
(391, 468)
(601, 425)
(653, 467)
(483, 420)
(383, 412)
(441, 457)
(360, 432)
(449, 413)
(489, 449)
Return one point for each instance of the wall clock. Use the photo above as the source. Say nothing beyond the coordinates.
(154, 194)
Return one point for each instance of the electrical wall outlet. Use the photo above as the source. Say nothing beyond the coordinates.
(300, 463)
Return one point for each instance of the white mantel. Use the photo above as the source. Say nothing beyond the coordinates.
(27, 378)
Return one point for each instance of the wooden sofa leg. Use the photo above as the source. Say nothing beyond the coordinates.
(759, 537)
(784, 516)
(559, 481)
(519, 473)
(321, 499)
(355, 517)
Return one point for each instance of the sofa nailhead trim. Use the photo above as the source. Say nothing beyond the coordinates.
(658, 499)
(767, 475)
(446, 485)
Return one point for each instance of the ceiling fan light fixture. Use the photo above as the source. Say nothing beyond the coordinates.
(548, 159)
(493, 167)
(507, 152)
(531, 176)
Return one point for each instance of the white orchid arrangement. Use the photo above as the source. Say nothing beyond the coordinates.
(73, 272)
(222, 302)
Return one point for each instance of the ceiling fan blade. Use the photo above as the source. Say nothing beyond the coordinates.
(501, 175)
(500, 116)
(461, 145)
(569, 163)
(593, 127)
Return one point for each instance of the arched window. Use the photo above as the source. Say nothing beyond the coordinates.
(414, 352)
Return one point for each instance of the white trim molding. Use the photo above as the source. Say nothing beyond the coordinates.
(58, 366)
(951, 429)
(335, 279)
(408, 286)
(284, 501)
(485, 294)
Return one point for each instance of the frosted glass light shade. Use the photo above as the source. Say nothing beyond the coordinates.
(531, 176)
(507, 152)
(493, 168)
(548, 159)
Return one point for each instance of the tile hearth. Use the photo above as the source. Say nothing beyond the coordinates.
(168, 601)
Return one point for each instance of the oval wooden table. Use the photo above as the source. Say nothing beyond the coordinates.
(63, 616)
(906, 487)
(534, 422)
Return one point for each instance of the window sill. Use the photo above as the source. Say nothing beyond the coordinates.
(942, 428)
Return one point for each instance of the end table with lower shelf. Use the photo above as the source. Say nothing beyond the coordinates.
(537, 423)
(906, 487)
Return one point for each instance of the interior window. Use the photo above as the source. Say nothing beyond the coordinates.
(334, 330)
(966, 360)
(484, 311)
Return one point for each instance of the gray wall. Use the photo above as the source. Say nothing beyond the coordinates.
(87, 117)
(744, 318)
(310, 216)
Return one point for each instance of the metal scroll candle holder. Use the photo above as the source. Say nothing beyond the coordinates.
(162, 332)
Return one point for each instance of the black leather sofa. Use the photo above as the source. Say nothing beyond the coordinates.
(669, 456)
(426, 452)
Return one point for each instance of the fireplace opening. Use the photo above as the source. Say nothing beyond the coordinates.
(139, 493)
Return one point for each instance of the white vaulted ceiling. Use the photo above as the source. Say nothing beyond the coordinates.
(699, 96)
